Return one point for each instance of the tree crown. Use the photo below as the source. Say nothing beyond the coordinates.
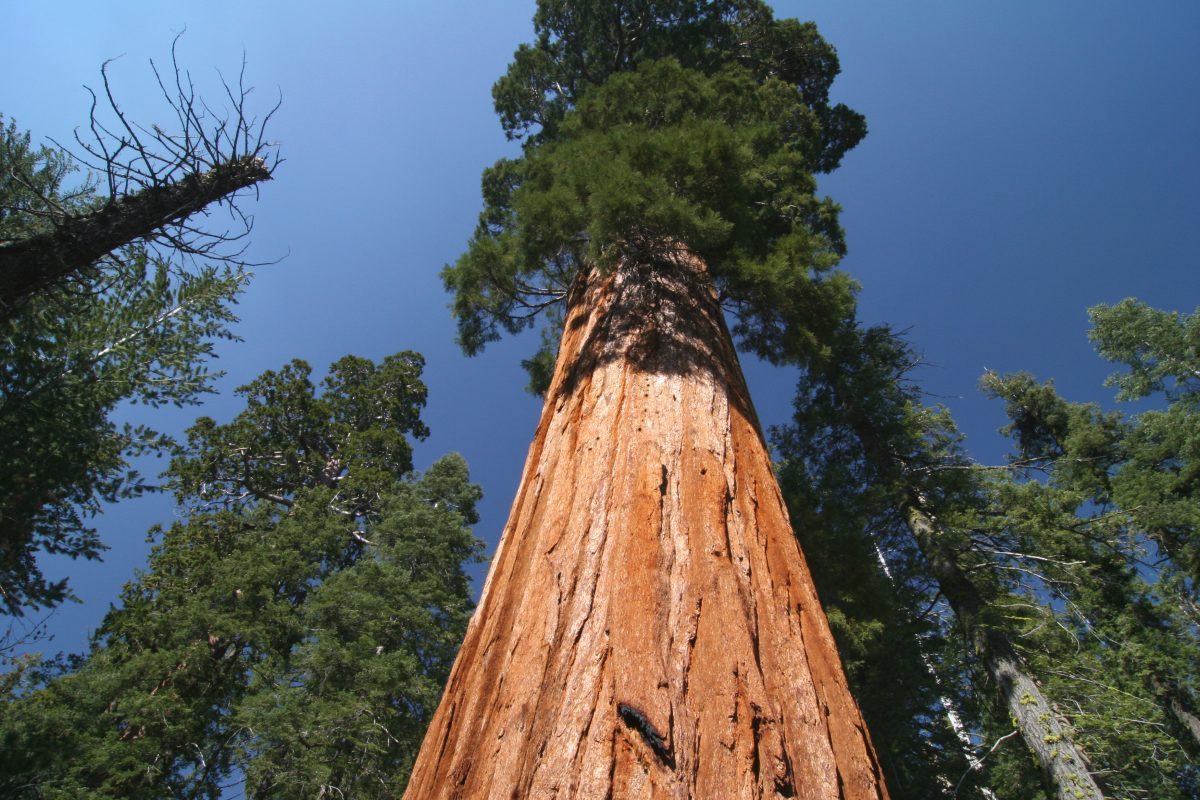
(132, 327)
(654, 126)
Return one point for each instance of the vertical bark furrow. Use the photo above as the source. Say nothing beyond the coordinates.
(648, 627)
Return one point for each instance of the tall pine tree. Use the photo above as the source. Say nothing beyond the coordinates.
(1058, 570)
(135, 327)
(111, 292)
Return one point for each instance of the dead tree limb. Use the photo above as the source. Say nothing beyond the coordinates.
(157, 182)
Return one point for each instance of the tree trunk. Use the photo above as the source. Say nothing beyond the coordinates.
(1187, 720)
(1063, 763)
(649, 628)
(27, 265)
(1168, 694)
(949, 706)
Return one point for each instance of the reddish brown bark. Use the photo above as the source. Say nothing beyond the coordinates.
(649, 628)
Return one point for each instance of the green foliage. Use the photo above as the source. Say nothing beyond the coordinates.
(1060, 567)
(351, 708)
(846, 502)
(1159, 481)
(1079, 555)
(1113, 523)
(350, 439)
(1160, 348)
(296, 627)
(579, 45)
(663, 126)
(133, 329)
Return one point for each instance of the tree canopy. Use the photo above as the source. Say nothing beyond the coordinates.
(1068, 566)
(136, 329)
(653, 126)
(295, 628)
(110, 293)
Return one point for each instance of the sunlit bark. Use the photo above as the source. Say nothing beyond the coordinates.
(649, 628)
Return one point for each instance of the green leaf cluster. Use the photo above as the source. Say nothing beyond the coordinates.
(351, 438)
(1120, 511)
(663, 127)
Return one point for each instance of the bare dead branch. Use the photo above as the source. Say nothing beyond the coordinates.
(160, 187)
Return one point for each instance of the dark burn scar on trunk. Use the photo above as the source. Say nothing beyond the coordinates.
(636, 719)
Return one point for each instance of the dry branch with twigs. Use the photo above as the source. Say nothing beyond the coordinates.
(157, 183)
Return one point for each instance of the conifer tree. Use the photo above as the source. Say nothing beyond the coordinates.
(1106, 507)
(649, 627)
(292, 632)
(110, 292)
(882, 603)
(1056, 558)
(135, 327)
(914, 460)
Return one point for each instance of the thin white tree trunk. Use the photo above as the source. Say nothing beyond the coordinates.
(953, 718)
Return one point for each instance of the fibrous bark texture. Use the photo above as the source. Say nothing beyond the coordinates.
(649, 628)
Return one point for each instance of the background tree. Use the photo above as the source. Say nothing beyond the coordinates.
(1038, 563)
(295, 627)
(108, 297)
(913, 459)
(1113, 519)
(882, 602)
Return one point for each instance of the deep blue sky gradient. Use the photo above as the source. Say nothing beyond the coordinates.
(1025, 161)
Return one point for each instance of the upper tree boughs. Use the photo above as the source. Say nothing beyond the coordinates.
(135, 328)
(114, 287)
(650, 126)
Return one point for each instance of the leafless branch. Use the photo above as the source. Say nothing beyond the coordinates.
(162, 187)
(978, 763)
(20, 636)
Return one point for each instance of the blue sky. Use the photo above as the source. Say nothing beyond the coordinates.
(1025, 161)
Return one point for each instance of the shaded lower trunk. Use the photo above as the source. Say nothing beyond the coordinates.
(649, 628)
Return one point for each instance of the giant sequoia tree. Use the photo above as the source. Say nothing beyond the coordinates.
(649, 627)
